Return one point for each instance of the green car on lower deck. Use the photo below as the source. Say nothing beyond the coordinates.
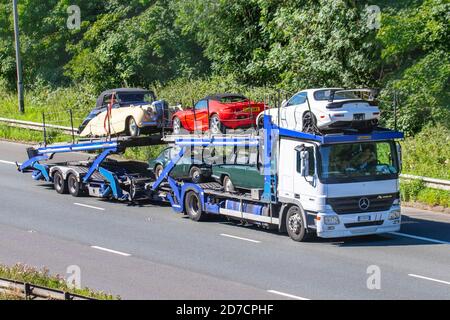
(188, 167)
(241, 170)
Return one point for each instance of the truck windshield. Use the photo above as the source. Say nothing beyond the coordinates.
(357, 162)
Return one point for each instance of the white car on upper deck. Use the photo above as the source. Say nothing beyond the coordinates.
(326, 109)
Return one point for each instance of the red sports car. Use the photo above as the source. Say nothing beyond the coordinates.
(217, 113)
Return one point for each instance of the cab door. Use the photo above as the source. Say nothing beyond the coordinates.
(305, 176)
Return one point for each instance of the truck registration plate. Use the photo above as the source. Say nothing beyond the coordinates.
(363, 218)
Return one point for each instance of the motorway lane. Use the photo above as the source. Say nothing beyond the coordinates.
(159, 240)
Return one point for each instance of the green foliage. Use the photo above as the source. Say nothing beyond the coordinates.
(416, 43)
(42, 277)
(415, 191)
(134, 49)
(185, 91)
(428, 153)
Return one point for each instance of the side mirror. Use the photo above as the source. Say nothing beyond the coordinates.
(304, 163)
(399, 156)
(284, 103)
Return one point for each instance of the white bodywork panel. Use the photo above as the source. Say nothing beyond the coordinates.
(291, 115)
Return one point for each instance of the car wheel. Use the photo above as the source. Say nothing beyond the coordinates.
(74, 186)
(59, 183)
(193, 206)
(132, 127)
(195, 174)
(158, 170)
(176, 125)
(260, 123)
(228, 184)
(215, 125)
(309, 123)
(295, 225)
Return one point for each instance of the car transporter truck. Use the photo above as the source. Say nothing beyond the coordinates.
(331, 185)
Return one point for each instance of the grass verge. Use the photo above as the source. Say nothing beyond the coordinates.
(416, 191)
(42, 277)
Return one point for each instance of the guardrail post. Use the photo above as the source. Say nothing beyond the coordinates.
(26, 290)
(71, 125)
(45, 131)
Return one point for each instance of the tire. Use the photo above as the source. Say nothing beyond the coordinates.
(74, 186)
(215, 125)
(192, 206)
(228, 185)
(309, 122)
(132, 127)
(295, 225)
(260, 123)
(176, 125)
(195, 174)
(158, 170)
(59, 183)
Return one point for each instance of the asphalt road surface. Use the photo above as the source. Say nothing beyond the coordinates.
(150, 252)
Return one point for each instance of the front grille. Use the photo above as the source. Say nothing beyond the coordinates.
(349, 205)
(363, 224)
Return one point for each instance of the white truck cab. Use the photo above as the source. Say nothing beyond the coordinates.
(344, 189)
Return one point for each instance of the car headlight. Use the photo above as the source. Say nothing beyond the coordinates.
(331, 220)
(394, 215)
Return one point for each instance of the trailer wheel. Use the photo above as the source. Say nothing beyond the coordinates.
(74, 186)
(59, 183)
(193, 206)
(295, 225)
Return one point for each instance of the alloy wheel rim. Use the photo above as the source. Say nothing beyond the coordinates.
(176, 125)
(295, 223)
(215, 125)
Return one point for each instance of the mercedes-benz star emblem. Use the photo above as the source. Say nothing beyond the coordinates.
(364, 204)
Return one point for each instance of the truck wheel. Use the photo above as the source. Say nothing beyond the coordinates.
(215, 125)
(228, 185)
(295, 225)
(74, 186)
(132, 127)
(195, 174)
(193, 206)
(59, 183)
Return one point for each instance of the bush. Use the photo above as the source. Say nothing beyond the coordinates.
(416, 191)
(428, 153)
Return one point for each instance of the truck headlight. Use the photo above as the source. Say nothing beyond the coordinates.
(331, 220)
(394, 214)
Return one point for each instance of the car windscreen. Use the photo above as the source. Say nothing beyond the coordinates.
(324, 95)
(135, 97)
(345, 163)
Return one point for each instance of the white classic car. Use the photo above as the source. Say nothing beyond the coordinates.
(127, 111)
(326, 109)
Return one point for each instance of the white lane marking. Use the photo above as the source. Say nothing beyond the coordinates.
(419, 238)
(8, 162)
(111, 251)
(426, 278)
(287, 295)
(239, 238)
(88, 206)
